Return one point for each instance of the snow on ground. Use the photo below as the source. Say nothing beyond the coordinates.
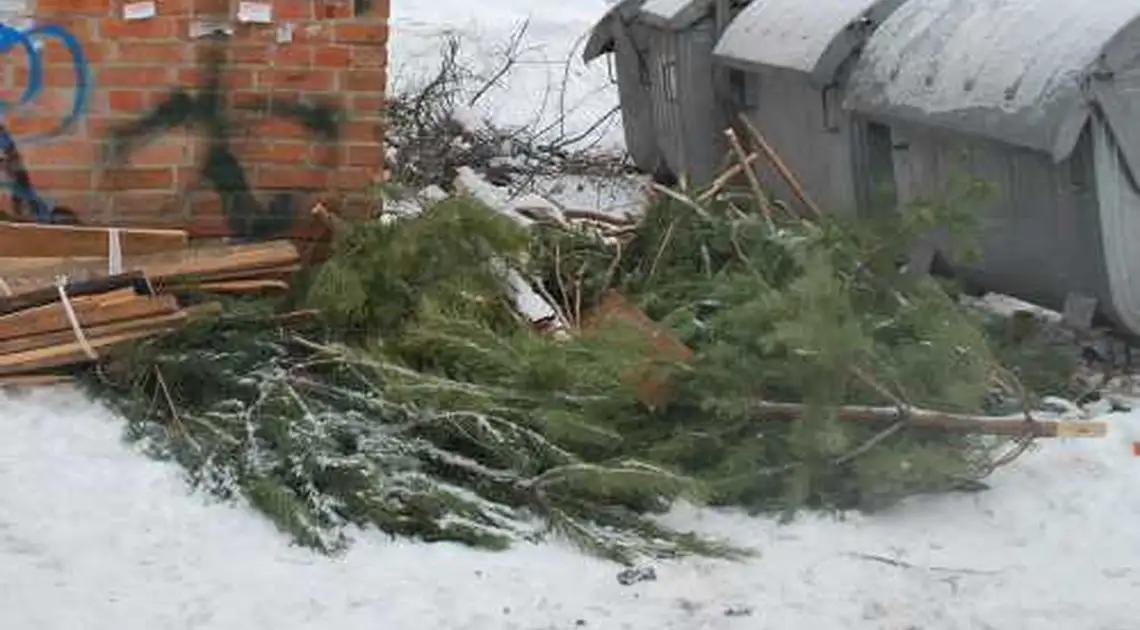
(94, 536)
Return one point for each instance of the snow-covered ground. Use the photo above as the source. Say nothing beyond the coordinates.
(94, 536)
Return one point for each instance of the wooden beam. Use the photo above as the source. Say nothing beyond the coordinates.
(18, 240)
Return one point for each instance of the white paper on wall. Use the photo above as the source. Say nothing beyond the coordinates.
(139, 10)
(255, 12)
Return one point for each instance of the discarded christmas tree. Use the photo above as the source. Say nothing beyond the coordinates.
(423, 404)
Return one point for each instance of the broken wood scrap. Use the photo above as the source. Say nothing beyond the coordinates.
(40, 240)
(924, 418)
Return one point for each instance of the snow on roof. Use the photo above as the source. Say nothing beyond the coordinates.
(601, 39)
(809, 37)
(1010, 70)
(675, 14)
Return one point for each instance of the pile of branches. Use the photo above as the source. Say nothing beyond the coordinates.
(434, 129)
(801, 369)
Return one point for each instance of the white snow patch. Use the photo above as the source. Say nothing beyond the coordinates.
(94, 535)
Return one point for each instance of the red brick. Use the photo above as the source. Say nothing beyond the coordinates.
(49, 180)
(143, 178)
(365, 155)
(286, 177)
(357, 33)
(128, 101)
(280, 129)
(295, 9)
(352, 178)
(146, 208)
(94, 7)
(369, 57)
(113, 76)
(274, 152)
(234, 78)
(333, 57)
(150, 53)
(327, 154)
(55, 75)
(296, 79)
(368, 103)
(245, 53)
(116, 28)
(63, 152)
(362, 81)
(162, 152)
(30, 123)
(293, 56)
(54, 52)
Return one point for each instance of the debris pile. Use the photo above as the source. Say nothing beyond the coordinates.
(489, 373)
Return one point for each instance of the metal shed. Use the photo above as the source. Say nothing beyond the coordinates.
(619, 34)
(789, 61)
(1039, 97)
(671, 89)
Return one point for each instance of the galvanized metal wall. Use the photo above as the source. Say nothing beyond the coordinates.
(633, 72)
(1041, 235)
(813, 137)
(687, 116)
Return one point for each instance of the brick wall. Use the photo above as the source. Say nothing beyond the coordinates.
(298, 114)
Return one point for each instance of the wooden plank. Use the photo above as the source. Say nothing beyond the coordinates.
(47, 340)
(73, 353)
(39, 240)
(32, 380)
(100, 324)
(231, 287)
(48, 294)
(90, 310)
(190, 264)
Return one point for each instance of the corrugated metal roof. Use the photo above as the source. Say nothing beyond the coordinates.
(811, 37)
(1011, 70)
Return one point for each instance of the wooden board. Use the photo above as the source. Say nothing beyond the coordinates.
(73, 352)
(37, 240)
(90, 310)
(185, 264)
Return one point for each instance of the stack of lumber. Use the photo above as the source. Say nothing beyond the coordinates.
(69, 295)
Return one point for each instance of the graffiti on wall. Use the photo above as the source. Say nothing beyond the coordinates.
(207, 110)
(26, 201)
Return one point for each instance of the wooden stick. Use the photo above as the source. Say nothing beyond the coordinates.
(782, 168)
(962, 423)
(580, 214)
(230, 286)
(720, 182)
(753, 181)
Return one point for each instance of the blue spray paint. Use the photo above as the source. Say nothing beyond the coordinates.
(11, 38)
